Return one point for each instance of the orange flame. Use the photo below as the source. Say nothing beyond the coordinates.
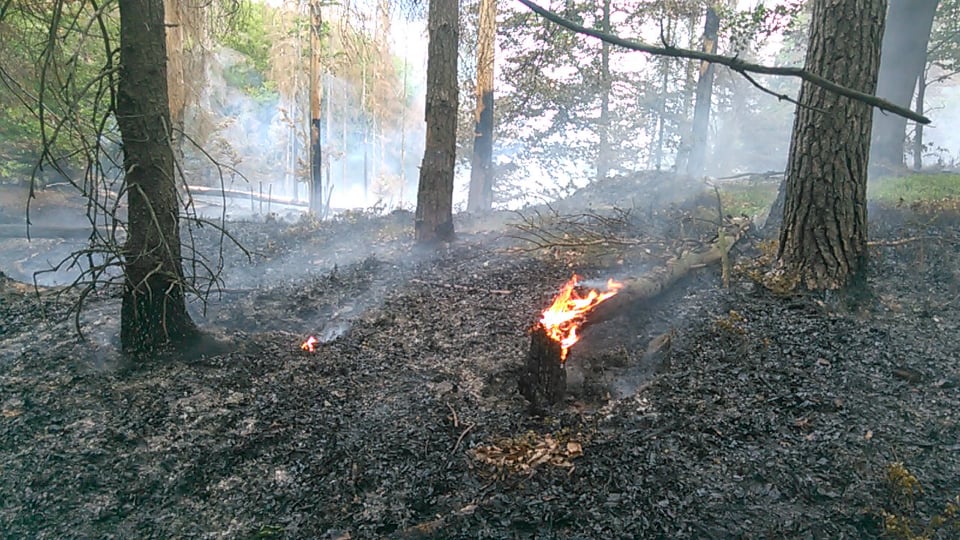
(569, 309)
(310, 345)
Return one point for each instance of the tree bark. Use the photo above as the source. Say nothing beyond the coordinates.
(603, 125)
(701, 111)
(316, 90)
(823, 235)
(481, 169)
(153, 311)
(903, 59)
(918, 135)
(434, 216)
(544, 378)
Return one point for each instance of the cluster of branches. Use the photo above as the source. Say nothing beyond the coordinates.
(73, 106)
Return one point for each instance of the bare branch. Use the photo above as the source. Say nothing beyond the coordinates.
(734, 63)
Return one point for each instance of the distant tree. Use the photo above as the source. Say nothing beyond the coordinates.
(823, 235)
(434, 215)
(316, 93)
(942, 64)
(704, 96)
(481, 170)
(153, 310)
(604, 158)
(902, 61)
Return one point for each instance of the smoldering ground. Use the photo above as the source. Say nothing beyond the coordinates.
(768, 416)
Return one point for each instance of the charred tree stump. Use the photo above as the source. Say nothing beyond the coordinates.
(544, 379)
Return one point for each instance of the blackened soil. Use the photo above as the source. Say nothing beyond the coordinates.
(766, 417)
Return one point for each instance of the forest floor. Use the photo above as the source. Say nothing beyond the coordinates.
(755, 416)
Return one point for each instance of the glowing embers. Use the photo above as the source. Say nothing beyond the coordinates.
(569, 310)
(310, 345)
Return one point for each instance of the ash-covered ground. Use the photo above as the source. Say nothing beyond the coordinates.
(708, 413)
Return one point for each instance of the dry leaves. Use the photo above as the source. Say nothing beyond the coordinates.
(525, 453)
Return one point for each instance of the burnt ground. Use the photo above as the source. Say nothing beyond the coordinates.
(757, 416)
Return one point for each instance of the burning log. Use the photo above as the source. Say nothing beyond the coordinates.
(544, 378)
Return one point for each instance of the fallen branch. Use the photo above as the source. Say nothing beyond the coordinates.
(651, 284)
(732, 62)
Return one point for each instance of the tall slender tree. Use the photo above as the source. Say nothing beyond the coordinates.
(704, 96)
(153, 310)
(434, 215)
(823, 236)
(603, 127)
(481, 166)
(903, 60)
(316, 92)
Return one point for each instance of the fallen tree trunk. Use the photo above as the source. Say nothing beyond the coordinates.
(248, 195)
(651, 284)
(543, 380)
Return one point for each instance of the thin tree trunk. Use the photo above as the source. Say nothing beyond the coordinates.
(918, 135)
(366, 126)
(403, 132)
(153, 311)
(701, 111)
(481, 168)
(316, 90)
(904, 57)
(434, 216)
(603, 125)
(662, 114)
(823, 236)
(327, 165)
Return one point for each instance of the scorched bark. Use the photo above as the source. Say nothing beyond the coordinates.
(823, 236)
(153, 311)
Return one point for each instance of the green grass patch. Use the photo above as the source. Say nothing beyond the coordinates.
(748, 199)
(914, 188)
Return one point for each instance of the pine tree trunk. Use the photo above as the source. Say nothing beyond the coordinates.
(603, 125)
(904, 57)
(481, 167)
(823, 236)
(316, 90)
(153, 311)
(701, 111)
(434, 216)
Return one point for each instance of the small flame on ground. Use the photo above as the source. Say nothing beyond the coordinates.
(310, 345)
(569, 309)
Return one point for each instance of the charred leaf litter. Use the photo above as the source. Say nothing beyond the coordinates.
(753, 416)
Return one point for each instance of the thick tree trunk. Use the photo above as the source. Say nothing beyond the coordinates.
(701, 111)
(903, 59)
(316, 91)
(823, 235)
(153, 311)
(434, 216)
(481, 169)
(603, 125)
